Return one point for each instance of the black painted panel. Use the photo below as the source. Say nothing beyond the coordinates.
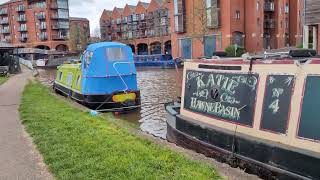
(225, 96)
(289, 158)
(310, 112)
(277, 101)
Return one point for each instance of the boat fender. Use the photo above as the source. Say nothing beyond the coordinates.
(93, 113)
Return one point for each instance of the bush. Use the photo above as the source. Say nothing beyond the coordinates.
(230, 50)
(300, 45)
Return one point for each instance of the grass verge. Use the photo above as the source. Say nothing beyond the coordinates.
(3, 80)
(76, 145)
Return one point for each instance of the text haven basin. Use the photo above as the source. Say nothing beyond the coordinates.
(224, 96)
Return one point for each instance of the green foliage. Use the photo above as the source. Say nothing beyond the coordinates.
(300, 45)
(78, 146)
(230, 50)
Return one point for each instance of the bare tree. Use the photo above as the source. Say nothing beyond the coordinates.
(200, 19)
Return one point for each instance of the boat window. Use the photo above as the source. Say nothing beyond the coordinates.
(117, 54)
(69, 79)
(60, 76)
(87, 56)
(78, 80)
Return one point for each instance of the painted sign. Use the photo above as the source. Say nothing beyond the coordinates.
(225, 96)
(277, 101)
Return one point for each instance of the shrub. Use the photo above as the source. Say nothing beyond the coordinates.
(300, 46)
(230, 50)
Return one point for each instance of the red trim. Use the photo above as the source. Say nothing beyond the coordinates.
(289, 112)
(300, 113)
(243, 62)
(315, 61)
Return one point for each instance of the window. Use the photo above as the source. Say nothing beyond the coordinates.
(87, 56)
(117, 54)
(186, 48)
(78, 80)
(209, 46)
(63, 13)
(62, 4)
(60, 76)
(179, 15)
(213, 13)
(69, 79)
(286, 9)
(258, 5)
(238, 15)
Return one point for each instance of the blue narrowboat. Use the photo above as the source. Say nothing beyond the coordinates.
(105, 78)
(159, 61)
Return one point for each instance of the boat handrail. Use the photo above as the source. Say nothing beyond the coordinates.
(119, 74)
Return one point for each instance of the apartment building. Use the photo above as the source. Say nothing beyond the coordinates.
(79, 34)
(312, 25)
(199, 28)
(145, 27)
(35, 23)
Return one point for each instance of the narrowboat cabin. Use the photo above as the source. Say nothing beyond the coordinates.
(164, 61)
(261, 115)
(104, 79)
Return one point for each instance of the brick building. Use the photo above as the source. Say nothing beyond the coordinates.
(79, 34)
(312, 25)
(145, 27)
(200, 28)
(35, 23)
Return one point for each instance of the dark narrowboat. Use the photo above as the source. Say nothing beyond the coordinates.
(262, 115)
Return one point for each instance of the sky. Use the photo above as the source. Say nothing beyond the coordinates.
(92, 9)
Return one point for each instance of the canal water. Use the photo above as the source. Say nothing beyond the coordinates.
(157, 86)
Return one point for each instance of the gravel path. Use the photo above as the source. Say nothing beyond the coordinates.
(19, 159)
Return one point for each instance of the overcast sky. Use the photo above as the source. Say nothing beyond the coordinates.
(92, 9)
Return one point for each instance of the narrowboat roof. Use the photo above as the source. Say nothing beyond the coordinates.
(96, 46)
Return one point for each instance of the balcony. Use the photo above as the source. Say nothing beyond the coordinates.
(43, 27)
(23, 29)
(269, 7)
(4, 21)
(269, 24)
(59, 37)
(5, 31)
(6, 39)
(22, 19)
(43, 37)
(55, 26)
(23, 38)
(20, 8)
(4, 11)
(41, 16)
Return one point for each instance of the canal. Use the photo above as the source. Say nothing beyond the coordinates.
(157, 87)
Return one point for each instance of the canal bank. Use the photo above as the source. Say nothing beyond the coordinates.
(77, 145)
(157, 86)
(19, 158)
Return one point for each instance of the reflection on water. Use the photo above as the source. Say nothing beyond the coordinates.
(157, 87)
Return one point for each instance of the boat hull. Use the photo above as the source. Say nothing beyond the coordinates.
(266, 159)
(100, 102)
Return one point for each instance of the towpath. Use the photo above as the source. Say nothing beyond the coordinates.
(19, 159)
